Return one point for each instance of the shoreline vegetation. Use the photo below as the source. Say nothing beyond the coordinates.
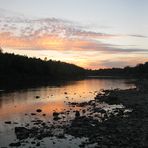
(17, 70)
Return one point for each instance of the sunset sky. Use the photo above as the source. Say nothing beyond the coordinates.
(89, 33)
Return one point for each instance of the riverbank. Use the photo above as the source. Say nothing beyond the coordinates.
(120, 129)
(123, 129)
(114, 118)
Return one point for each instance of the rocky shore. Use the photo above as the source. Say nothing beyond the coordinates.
(113, 119)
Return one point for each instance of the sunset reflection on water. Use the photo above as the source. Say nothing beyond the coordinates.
(19, 108)
(54, 98)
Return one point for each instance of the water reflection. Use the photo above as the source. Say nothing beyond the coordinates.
(53, 97)
(20, 106)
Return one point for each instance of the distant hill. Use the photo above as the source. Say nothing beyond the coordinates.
(16, 66)
(139, 71)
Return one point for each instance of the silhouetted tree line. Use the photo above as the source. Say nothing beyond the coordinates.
(16, 66)
(139, 71)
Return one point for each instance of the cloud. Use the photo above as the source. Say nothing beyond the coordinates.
(138, 36)
(115, 63)
(55, 42)
(63, 28)
(54, 34)
(119, 62)
(48, 33)
(122, 62)
(76, 43)
(127, 50)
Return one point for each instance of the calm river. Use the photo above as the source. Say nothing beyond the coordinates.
(18, 108)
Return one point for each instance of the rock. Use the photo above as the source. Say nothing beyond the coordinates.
(32, 142)
(55, 114)
(33, 114)
(15, 122)
(56, 118)
(83, 111)
(77, 114)
(22, 132)
(82, 104)
(38, 144)
(53, 142)
(73, 103)
(7, 122)
(27, 125)
(37, 97)
(38, 110)
(61, 136)
(17, 144)
(99, 110)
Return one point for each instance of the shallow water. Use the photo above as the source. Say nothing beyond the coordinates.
(18, 106)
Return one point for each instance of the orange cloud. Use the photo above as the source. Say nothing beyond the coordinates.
(57, 43)
(49, 34)
(53, 35)
(8, 40)
(49, 42)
